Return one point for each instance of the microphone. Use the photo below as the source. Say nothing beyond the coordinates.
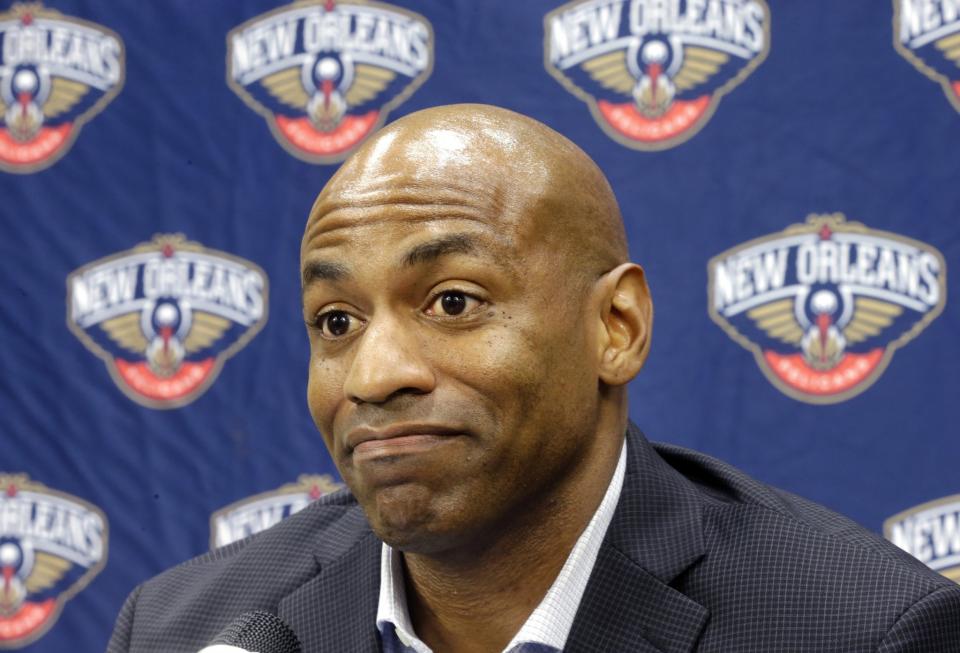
(255, 632)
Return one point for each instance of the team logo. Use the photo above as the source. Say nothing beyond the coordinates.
(56, 73)
(823, 305)
(166, 315)
(51, 546)
(261, 511)
(927, 34)
(930, 533)
(653, 71)
(325, 74)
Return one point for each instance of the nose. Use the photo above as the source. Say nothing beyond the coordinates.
(388, 361)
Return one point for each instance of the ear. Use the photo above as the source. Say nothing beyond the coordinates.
(626, 315)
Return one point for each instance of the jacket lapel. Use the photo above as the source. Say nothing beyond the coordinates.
(655, 535)
(336, 610)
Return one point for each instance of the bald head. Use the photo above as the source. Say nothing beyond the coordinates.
(535, 183)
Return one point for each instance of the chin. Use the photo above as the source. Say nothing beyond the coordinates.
(406, 518)
(399, 513)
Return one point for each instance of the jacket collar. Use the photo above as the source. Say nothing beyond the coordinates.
(629, 605)
(336, 610)
(656, 534)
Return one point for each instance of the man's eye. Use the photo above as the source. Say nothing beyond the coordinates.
(452, 302)
(336, 324)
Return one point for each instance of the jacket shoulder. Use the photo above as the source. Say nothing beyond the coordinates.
(322, 523)
(805, 574)
(188, 604)
(730, 494)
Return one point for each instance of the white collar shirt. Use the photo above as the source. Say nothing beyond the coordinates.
(547, 627)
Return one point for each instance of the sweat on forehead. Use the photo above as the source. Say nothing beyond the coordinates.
(497, 163)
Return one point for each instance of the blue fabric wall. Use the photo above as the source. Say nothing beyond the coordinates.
(152, 385)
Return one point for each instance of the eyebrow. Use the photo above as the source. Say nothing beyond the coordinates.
(433, 249)
(419, 254)
(324, 271)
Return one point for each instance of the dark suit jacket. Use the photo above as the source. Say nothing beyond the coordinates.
(698, 557)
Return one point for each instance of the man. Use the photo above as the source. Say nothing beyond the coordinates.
(473, 320)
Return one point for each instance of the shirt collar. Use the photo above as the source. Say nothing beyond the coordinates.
(393, 618)
(550, 623)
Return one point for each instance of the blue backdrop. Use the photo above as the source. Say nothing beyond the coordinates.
(788, 173)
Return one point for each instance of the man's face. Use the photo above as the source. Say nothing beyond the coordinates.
(452, 370)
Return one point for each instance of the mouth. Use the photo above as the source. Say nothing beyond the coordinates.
(366, 443)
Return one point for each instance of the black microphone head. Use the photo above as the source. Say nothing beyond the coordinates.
(259, 631)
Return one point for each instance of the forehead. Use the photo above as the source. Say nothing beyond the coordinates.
(482, 171)
(392, 212)
(387, 252)
(388, 220)
(406, 241)
(424, 181)
(391, 237)
(397, 202)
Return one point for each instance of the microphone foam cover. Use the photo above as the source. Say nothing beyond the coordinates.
(259, 631)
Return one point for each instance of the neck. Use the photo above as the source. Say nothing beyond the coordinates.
(476, 597)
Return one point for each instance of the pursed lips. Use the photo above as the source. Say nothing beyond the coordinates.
(365, 442)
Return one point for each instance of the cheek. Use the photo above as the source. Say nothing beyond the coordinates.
(500, 361)
(527, 369)
(558, 381)
(323, 394)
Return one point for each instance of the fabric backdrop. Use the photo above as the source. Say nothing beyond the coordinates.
(788, 174)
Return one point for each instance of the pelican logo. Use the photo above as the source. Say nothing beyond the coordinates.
(261, 511)
(927, 34)
(166, 315)
(56, 73)
(51, 546)
(930, 533)
(653, 71)
(326, 74)
(823, 305)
